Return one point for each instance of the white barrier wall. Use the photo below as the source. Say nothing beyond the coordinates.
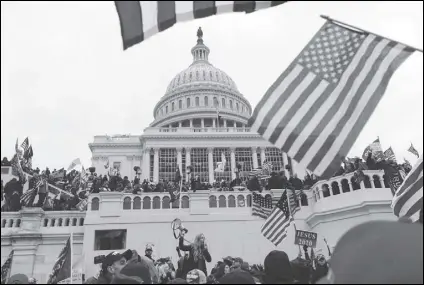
(37, 237)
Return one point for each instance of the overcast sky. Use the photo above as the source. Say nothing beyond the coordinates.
(65, 77)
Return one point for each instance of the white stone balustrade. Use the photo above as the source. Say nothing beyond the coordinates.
(188, 130)
(346, 183)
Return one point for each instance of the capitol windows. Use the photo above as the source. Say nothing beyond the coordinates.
(215, 102)
(166, 110)
(152, 164)
(231, 104)
(197, 102)
(173, 106)
(167, 164)
(222, 164)
(275, 156)
(188, 102)
(206, 101)
(180, 104)
(244, 158)
(237, 107)
(199, 162)
(223, 102)
(110, 239)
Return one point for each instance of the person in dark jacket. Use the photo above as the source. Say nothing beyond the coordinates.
(278, 269)
(199, 254)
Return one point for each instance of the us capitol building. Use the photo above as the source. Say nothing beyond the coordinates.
(200, 121)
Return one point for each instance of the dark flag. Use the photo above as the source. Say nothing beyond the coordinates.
(28, 153)
(143, 19)
(62, 267)
(5, 268)
(393, 175)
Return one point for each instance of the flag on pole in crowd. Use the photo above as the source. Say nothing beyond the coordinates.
(62, 267)
(408, 200)
(412, 150)
(74, 163)
(27, 199)
(17, 169)
(267, 166)
(5, 268)
(390, 155)
(142, 19)
(294, 200)
(318, 106)
(17, 145)
(375, 149)
(261, 206)
(107, 165)
(277, 223)
(25, 144)
(29, 153)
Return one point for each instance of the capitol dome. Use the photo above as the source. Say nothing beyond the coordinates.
(198, 92)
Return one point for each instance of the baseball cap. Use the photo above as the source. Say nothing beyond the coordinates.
(196, 276)
(110, 259)
(149, 247)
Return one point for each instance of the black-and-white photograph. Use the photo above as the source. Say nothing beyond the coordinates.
(211, 142)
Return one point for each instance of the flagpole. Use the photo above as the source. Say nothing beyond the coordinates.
(294, 223)
(72, 253)
(365, 31)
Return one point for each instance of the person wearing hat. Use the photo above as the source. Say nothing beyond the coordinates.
(111, 265)
(278, 269)
(148, 252)
(237, 276)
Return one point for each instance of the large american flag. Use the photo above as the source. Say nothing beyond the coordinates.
(261, 206)
(5, 268)
(316, 109)
(408, 199)
(27, 199)
(277, 223)
(143, 19)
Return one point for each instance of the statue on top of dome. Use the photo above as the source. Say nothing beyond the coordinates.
(200, 33)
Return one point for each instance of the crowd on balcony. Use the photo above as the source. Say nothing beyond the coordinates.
(70, 182)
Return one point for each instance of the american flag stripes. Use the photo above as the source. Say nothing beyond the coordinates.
(142, 19)
(412, 150)
(408, 199)
(316, 109)
(27, 199)
(25, 144)
(261, 206)
(5, 268)
(277, 223)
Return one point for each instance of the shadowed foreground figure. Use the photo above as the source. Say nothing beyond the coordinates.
(379, 252)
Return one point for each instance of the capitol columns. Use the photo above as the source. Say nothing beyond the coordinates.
(233, 162)
(255, 157)
(188, 162)
(180, 158)
(145, 169)
(263, 156)
(285, 163)
(156, 165)
(210, 165)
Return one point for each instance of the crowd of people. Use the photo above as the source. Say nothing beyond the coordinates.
(70, 183)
